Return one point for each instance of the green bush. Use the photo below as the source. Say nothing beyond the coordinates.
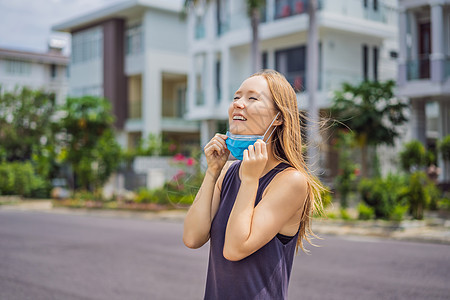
(365, 212)
(19, 178)
(413, 156)
(382, 194)
(444, 204)
(344, 214)
(444, 147)
(398, 212)
(420, 193)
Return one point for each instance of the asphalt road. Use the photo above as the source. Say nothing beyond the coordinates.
(55, 256)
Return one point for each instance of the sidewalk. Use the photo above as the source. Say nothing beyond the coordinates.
(430, 230)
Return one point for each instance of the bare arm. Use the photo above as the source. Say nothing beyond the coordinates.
(197, 224)
(249, 228)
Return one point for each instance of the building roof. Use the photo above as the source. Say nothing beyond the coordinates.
(46, 58)
(120, 10)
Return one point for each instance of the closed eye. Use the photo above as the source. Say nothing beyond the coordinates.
(253, 98)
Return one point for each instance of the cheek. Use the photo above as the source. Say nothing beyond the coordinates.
(230, 111)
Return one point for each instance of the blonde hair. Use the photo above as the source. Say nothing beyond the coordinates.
(287, 147)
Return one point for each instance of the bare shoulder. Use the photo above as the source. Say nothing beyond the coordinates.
(290, 182)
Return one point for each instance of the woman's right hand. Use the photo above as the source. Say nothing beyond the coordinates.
(216, 153)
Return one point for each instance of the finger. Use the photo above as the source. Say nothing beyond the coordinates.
(251, 151)
(223, 136)
(220, 140)
(257, 148)
(245, 155)
(263, 147)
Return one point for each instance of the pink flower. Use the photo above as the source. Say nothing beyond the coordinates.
(190, 162)
(172, 147)
(179, 174)
(179, 157)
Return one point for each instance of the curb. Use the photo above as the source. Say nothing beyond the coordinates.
(426, 231)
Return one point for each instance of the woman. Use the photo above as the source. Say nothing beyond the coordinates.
(257, 210)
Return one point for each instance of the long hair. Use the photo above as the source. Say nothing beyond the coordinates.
(287, 147)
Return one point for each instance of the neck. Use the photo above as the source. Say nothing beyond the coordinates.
(272, 161)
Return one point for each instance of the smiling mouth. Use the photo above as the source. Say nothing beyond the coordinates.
(239, 118)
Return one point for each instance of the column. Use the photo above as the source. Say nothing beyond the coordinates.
(418, 120)
(270, 10)
(403, 55)
(443, 130)
(437, 45)
(225, 82)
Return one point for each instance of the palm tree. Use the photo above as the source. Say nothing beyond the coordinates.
(312, 61)
(254, 13)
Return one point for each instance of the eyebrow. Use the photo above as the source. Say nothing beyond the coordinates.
(250, 92)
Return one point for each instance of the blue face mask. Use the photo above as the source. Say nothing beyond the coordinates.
(237, 143)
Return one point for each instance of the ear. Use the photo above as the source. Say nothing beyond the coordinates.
(278, 120)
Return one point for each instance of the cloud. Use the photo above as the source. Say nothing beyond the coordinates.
(26, 24)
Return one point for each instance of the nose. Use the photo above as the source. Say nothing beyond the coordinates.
(239, 103)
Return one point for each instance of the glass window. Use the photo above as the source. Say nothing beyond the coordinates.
(53, 70)
(134, 39)
(87, 45)
(17, 67)
(365, 62)
(200, 69)
(292, 64)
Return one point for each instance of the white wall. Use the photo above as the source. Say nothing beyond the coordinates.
(38, 78)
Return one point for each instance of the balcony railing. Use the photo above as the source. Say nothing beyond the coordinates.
(382, 13)
(287, 8)
(135, 109)
(355, 8)
(418, 69)
(199, 30)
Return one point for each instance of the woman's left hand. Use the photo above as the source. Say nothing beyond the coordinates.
(254, 161)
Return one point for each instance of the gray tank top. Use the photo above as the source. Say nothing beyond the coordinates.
(263, 274)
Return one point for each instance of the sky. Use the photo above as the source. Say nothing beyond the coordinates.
(26, 24)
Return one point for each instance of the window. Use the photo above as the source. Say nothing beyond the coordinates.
(200, 67)
(53, 71)
(133, 40)
(292, 64)
(375, 5)
(365, 3)
(264, 60)
(87, 45)
(218, 89)
(375, 63)
(365, 62)
(17, 67)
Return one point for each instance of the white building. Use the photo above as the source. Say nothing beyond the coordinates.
(358, 40)
(47, 71)
(134, 54)
(424, 69)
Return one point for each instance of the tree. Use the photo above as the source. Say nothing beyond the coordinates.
(88, 142)
(371, 111)
(254, 13)
(25, 122)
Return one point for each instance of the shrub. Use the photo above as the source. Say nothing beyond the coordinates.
(444, 147)
(398, 212)
(382, 194)
(344, 214)
(365, 212)
(19, 178)
(413, 156)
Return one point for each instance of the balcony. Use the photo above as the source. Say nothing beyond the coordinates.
(135, 110)
(417, 69)
(199, 29)
(287, 8)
